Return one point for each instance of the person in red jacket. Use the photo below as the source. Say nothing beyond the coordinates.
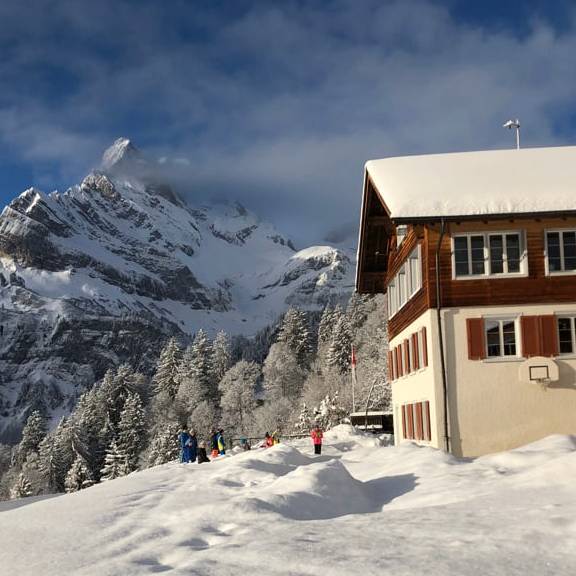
(317, 436)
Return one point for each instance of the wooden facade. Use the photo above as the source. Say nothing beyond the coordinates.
(375, 271)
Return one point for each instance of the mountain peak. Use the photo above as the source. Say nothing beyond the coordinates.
(121, 154)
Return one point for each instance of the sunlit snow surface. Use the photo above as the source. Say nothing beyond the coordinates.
(361, 508)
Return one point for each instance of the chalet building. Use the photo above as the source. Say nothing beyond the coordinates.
(477, 254)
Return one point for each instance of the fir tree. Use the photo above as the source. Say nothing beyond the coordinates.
(79, 476)
(339, 352)
(295, 334)
(304, 423)
(22, 488)
(64, 453)
(166, 381)
(283, 375)
(238, 388)
(221, 357)
(33, 433)
(131, 430)
(115, 463)
(164, 447)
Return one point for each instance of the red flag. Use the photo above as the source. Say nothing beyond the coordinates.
(353, 359)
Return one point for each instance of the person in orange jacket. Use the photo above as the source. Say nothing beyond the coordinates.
(317, 436)
(268, 441)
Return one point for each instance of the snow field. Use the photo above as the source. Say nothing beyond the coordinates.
(363, 507)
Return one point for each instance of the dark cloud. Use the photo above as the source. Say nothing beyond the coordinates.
(276, 104)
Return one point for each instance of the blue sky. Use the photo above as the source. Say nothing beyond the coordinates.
(277, 103)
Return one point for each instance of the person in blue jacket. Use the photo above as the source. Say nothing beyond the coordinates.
(185, 443)
(193, 446)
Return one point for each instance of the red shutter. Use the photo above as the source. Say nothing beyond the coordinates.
(404, 424)
(476, 345)
(531, 339)
(548, 336)
(390, 366)
(427, 430)
(410, 419)
(407, 366)
(424, 347)
(415, 351)
(419, 426)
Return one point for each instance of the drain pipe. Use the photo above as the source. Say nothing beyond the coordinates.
(441, 336)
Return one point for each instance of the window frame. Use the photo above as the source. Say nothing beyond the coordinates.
(546, 255)
(572, 318)
(517, 338)
(404, 278)
(487, 234)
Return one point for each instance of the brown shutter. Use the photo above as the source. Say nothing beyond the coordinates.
(407, 357)
(390, 367)
(415, 351)
(476, 345)
(410, 419)
(419, 427)
(404, 424)
(399, 361)
(548, 336)
(427, 430)
(424, 347)
(531, 338)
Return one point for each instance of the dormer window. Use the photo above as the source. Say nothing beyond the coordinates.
(489, 254)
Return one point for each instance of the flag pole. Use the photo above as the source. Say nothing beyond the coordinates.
(353, 364)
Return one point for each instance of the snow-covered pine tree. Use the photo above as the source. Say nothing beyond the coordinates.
(295, 334)
(359, 306)
(165, 381)
(48, 464)
(339, 351)
(64, 452)
(330, 412)
(304, 423)
(203, 419)
(238, 388)
(115, 463)
(283, 375)
(79, 476)
(325, 328)
(221, 357)
(114, 391)
(131, 431)
(22, 487)
(33, 433)
(164, 447)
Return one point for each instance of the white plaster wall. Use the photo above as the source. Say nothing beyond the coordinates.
(425, 384)
(490, 408)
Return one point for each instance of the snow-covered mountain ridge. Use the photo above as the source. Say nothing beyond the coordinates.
(103, 271)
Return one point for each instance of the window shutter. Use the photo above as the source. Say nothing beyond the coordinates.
(399, 362)
(415, 352)
(427, 431)
(424, 345)
(410, 419)
(404, 423)
(390, 367)
(419, 427)
(406, 346)
(476, 346)
(548, 336)
(531, 336)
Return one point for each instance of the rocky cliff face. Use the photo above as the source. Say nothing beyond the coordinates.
(105, 271)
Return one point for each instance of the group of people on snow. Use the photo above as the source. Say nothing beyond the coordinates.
(192, 450)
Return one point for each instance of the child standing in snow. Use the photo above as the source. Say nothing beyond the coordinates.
(184, 438)
(221, 442)
(268, 441)
(193, 446)
(214, 444)
(202, 456)
(317, 436)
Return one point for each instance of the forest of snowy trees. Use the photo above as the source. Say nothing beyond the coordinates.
(130, 421)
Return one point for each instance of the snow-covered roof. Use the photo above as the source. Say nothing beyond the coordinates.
(530, 180)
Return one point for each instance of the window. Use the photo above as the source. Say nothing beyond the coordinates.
(406, 283)
(500, 338)
(566, 335)
(489, 254)
(416, 421)
(561, 251)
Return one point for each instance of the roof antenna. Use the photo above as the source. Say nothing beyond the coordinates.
(514, 124)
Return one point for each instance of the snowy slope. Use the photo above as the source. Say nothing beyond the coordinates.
(105, 271)
(361, 509)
